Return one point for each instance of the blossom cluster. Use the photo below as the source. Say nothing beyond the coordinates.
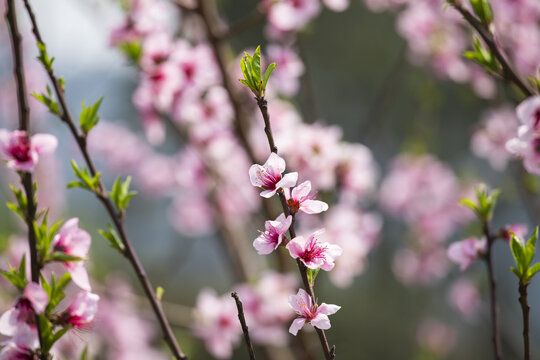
(437, 36)
(20, 322)
(425, 194)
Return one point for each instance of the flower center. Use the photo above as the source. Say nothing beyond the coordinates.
(21, 149)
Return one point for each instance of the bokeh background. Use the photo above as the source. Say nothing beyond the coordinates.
(359, 78)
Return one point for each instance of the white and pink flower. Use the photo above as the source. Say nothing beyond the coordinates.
(269, 240)
(527, 143)
(22, 345)
(269, 178)
(316, 315)
(313, 252)
(301, 199)
(75, 242)
(21, 151)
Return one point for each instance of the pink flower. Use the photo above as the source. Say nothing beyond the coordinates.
(314, 253)
(336, 5)
(436, 337)
(301, 199)
(269, 178)
(73, 241)
(34, 301)
(466, 251)
(82, 310)
(21, 152)
(308, 312)
(465, 298)
(269, 240)
(519, 230)
(286, 77)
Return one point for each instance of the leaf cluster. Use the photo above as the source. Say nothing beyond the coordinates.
(251, 69)
(86, 180)
(485, 203)
(523, 254)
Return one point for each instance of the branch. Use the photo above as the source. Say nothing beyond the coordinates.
(129, 251)
(328, 353)
(525, 311)
(508, 73)
(24, 122)
(242, 319)
(492, 293)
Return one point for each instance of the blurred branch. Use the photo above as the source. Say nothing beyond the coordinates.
(508, 73)
(101, 194)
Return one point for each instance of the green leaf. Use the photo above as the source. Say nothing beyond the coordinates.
(312, 274)
(86, 180)
(120, 193)
(530, 248)
(482, 9)
(533, 270)
(17, 277)
(267, 74)
(112, 237)
(256, 67)
(132, 50)
(49, 102)
(84, 354)
(89, 116)
(63, 257)
(44, 56)
(159, 293)
(518, 253)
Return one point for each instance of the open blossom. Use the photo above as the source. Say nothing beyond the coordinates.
(22, 152)
(287, 15)
(34, 301)
(269, 178)
(466, 251)
(313, 252)
(527, 143)
(82, 310)
(73, 241)
(308, 312)
(301, 199)
(269, 240)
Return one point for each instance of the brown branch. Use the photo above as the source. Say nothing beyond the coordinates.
(328, 353)
(508, 73)
(24, 124)
(492, 293)
(101, 193)
(245, 330)
(525, 311)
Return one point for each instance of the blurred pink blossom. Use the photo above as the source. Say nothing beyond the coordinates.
(466, 251)
(286, 77)
(527, 142)
(436, 337)
(287, 15)
(465, 298)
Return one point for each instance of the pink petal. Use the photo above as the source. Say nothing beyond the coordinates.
(302, 190)
(288, 181)
(321, 321)
(296, 246)
(44, 143)
(268, 193)
(328, 309)
(37, 297)
(8, 322)
(313, 206)
(275, 164)
(80, 243)
(263, 247)
(284, 223)
(337, 5)
(296, 325)
(526, 110)
(300, 301)
(79, 275)
(254, 175)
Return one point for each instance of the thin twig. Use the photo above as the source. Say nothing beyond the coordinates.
(525, 311)
(263, 106)
(101, 193)
(245, 330)
(508, 73)
(492, 293)
(24, 125)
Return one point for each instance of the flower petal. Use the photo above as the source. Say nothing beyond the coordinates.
(296, 325)
(313, 206)
(321, 321)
